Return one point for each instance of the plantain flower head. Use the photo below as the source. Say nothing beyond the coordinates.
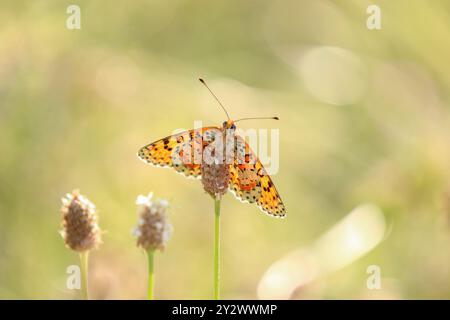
(215, 179)
(153, 229)
(80, 229)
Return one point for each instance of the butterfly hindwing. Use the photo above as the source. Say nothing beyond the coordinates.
(244, 184)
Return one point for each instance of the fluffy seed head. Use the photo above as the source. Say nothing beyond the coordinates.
(80, 229)
(154, 228)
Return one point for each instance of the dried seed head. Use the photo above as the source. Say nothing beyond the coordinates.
(215, 179)
(80, 230)
(153, 229)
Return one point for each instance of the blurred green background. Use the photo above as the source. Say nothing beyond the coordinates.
(364, 119)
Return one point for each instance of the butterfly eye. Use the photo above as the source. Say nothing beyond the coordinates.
(233, 127)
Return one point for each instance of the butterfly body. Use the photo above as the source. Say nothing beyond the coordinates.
(187, 152)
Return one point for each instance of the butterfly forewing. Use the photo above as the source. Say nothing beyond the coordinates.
(182, 146)
(250, 183)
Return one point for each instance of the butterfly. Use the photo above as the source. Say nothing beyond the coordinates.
(248, 180)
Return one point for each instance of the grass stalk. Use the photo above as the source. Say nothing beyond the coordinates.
(84, 260)
(151, 274)
(217, 249)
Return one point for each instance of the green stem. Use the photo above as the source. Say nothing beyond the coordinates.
(84, 260)
(151, 274)
(217, 249)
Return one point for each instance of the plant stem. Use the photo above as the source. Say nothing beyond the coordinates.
(84, 260)
(217, 249)
(151, 274)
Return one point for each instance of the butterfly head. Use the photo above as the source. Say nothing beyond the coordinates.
(229, 125)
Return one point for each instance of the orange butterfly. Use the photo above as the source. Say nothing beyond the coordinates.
(248, 179)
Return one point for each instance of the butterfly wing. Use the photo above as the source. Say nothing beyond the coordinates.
(250, 182)
(164, 152)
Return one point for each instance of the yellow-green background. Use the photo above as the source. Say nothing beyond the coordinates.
(75, 105)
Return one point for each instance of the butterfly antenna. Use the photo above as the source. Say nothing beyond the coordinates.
(215, 97)
(269, 118)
